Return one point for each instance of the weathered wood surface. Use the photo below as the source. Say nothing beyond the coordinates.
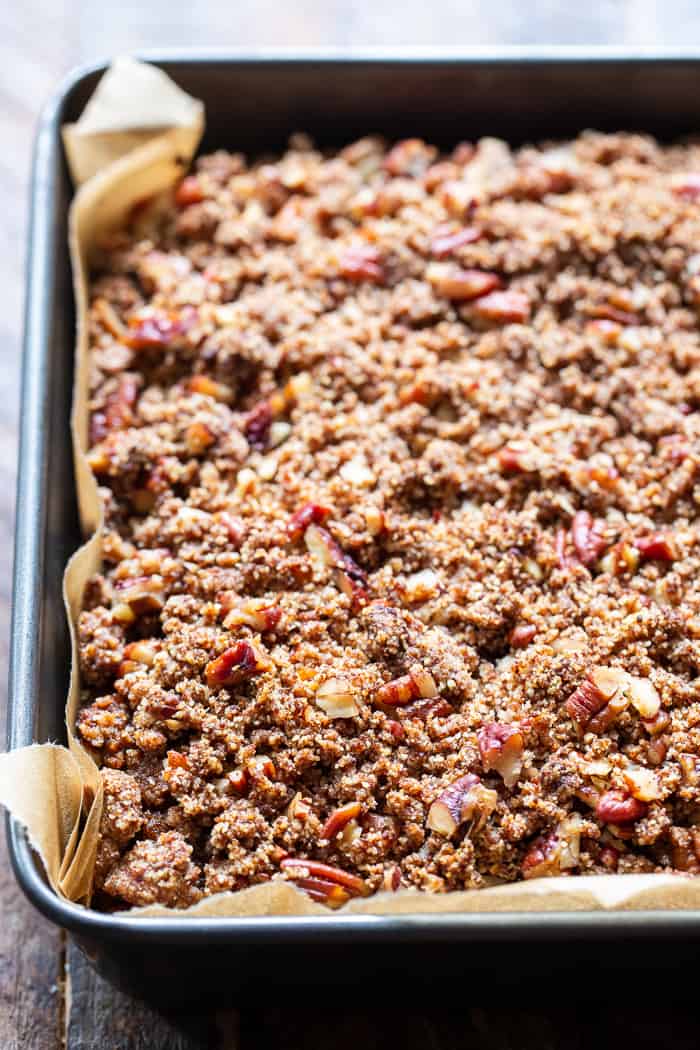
(49, 997)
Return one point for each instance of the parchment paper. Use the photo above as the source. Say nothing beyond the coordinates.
(136, 138)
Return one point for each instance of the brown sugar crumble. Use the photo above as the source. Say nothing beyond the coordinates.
(399, 455)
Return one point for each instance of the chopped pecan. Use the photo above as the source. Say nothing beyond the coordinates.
(401, 691)
(322, 882)
(465, 799)
(336, 697)
(198, 438)
(340, 818)
(445, 240)
(618, 807)
(362, 263)
(309, 514)
(585, 702)
(501, 748)
(621, 558)
(686, 185)
(607, 312)
(428, 708)
(588, 539)
(241, 661)
(658, 546)
(257, 425)
(521, 635)
(555, 851)
(409, 157)
(507, 307)
(255, 613)
(451, 282)
(201, 384)
(159, 330)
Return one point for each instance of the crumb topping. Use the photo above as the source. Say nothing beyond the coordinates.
(399, 457)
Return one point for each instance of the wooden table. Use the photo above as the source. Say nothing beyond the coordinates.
(49, 997)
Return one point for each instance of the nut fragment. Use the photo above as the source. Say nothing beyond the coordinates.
(503, 307)
(643, 784)
(451, 282)
(340, 818)
(159, 330)
(201, 384)
(686, 184)
(585, 702)
(501, 748)
(401, 691)
(522, 635)
(189, 192)
(241, 661)
(299, 808)
(421, 586)
(555, 851)
(465, 799)
(644, 697)
(658, 546)
(617, 807)
(309, 514)
(336, 697)
(444, 242)
(362, 263)
(589, 543)
(257, 425)
(324, 883)
(255, 613)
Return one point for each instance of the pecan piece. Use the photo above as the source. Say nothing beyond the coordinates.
(309, 514)
(444, 242)
(465, 799)
(340, 818)
(322, 879)
(618, 807)
(585, 702)
(686, 185)
(201, 384)
(507, 307)
(589, 543)
(555, 851)
(253, 612)
(198, 438)
(159, 330)
(362, 263)
(659, 546)
(336, 698)
(451, 282)
(418, 683)
(257, 425)
(409, 157)
(522, 635)
(501, 748)
(428, 708)
(241, 661)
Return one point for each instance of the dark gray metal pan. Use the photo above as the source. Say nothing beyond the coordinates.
(253, 103)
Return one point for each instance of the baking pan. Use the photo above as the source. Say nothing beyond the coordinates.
(253, 103)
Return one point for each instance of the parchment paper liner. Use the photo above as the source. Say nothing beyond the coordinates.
(136, 137)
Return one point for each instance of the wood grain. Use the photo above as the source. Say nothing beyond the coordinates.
(39, 41)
